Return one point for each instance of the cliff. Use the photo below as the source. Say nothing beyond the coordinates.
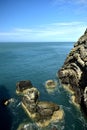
(74, 71)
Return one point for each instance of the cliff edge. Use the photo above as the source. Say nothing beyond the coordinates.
(74, 71)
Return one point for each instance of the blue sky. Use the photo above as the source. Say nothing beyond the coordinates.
(42, 20)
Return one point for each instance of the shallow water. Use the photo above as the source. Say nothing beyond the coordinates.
(37, 62)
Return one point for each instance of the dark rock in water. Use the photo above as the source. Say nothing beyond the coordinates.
(23, 85)
(74, 70)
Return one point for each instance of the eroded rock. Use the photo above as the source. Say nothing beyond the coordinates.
(22, 86)
(42, 112)
(74, 70)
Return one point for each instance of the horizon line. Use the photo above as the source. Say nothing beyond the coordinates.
(31, 41)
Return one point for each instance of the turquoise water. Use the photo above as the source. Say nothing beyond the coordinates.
(37, 62)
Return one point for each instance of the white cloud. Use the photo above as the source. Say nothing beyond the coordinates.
(57, 2)
(60, 31)
(67, 23)
(8, 34)
(23, 30)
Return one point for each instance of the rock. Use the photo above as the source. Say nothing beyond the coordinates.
(46, 109)
(44, 116)
(37, 110)
(74, 70)
(32, 94)
(7, 102)
(74, 101)
(85, 96)
(30, 99)
(22, 86)
(51, 85)
(41, 112)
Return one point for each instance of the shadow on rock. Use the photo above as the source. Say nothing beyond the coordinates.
(5, 114)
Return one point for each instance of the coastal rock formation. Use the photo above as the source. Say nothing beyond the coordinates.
(22, 86)
(51, 85)
(74, 71)
(42, 112)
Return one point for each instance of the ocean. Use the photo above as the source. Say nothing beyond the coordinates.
(37, 62)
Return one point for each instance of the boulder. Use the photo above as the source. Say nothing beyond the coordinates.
(51, 85)
(21, 86)
(74, 70)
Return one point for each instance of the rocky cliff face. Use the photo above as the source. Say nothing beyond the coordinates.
(74, 71)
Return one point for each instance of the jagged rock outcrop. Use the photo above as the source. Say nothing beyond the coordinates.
(74, 71)
(42, 112)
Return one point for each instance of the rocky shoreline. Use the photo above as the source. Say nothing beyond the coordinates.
(73, 78)
(74, 72)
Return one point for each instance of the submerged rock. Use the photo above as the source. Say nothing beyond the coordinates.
(7, 102)
(27, 126)
(22, 86)
(33, 126)
(74, 71)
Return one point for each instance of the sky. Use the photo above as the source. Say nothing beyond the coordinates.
(42, 20)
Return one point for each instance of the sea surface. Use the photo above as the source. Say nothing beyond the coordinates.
(37, 62)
